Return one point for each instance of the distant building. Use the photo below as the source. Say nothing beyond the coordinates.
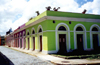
(2, 40)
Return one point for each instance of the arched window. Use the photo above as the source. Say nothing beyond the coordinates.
(40, 30)
(33, 32)
(79, 29)
(23, 33)
(94, 29)
(20, 35)
(62, 28)
(28, 33)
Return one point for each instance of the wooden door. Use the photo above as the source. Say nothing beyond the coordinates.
(40, 42)
(62, 43)
(28, 44)
(80, 41)
(20, 43)
(33, 43)
(95, 41)
(24, 43)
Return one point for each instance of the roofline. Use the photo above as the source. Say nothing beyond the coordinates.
(57, 18)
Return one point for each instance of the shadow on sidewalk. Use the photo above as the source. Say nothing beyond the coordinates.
(4, 60)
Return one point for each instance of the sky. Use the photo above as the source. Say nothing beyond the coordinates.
(14, 13)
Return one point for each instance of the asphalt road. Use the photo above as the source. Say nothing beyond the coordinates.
(19, 58)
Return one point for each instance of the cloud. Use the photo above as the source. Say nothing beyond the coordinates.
(94, 7)
(14, 13)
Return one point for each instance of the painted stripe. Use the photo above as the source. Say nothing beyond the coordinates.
(57, 18)
(72, 19)
(58, 31)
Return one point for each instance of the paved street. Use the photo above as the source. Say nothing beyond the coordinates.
(19, 58)
(4, 60)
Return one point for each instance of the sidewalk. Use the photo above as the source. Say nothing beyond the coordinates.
(56, 60)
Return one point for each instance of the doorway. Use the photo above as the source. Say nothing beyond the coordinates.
(20, 43)
(24, 43)
(95, 41)
(40, 43)
(80, 41)
(33, 43)
(62, 44)
(28, 44)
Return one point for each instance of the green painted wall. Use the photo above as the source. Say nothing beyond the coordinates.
(52, 26)
(44, 26)
(36, 18)
(49, 40)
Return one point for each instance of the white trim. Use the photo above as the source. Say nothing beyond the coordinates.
(26, 48)
(58, 18)
(32, 30)
(72, 19)
(36, 49)
(31, 49)
(32, 41)
(84, 39)
(39, 28)
(91, 32)
(38, 36)
(67, 39)
(47, 52)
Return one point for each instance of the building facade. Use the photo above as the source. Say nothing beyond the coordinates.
(2, 40)
(55, 31)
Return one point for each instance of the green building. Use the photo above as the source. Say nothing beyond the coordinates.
(56, 31)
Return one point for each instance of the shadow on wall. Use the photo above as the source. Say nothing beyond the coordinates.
(4, 60)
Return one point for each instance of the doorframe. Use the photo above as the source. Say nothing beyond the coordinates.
(27, 36)
(63, 32)
(32, 41)
(80, 32)
(83, 39)
(94, 32)
(33, 35)
(60, 32)
(38, 35)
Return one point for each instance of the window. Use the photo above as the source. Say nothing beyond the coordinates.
(20, 35)
(94, 29)
(40, 30)
(33, 32)
(28, 33)
(79, 29)
(62, 28)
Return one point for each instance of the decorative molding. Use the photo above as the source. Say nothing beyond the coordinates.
(91, 32)
(57, 18)
(72, 19)
(32, 30)
(38, 36)
(84, 36)
(68, 39)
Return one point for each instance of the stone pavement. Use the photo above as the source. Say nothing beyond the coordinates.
(58, 61)
(4, 60)
(19, 58)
